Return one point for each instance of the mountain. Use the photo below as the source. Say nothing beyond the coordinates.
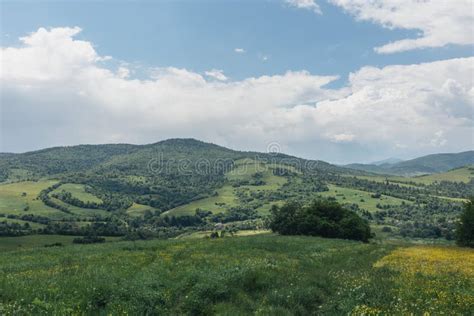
(163, 175)
(132, 159)
(168, 187)
(429, 164)
(388, 161)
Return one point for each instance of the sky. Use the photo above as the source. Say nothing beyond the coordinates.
(337, 80)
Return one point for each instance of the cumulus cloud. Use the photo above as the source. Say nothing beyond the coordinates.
(217, 74)
(440, 22)
(57, 90)
(305, 4)
(239, 50)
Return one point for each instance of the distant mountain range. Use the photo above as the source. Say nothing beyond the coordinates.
(388, 161)
(423, 165)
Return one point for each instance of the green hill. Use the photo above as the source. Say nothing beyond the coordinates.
(423, 165)
(179, 185)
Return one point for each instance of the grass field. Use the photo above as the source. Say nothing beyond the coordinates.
(441, 279)
(79, 192)
(34, 241)
(464, 174)
(362, 198)
(21, 222)
(240, 233)
(138, 209)
(79, 211)
(15, 197)
(226, 196)
(264, 274)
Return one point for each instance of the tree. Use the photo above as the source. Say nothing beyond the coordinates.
(465, 229)
(321, 218)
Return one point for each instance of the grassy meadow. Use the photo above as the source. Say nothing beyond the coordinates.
(20, 198)
(34, 241)
(362, 198)
(226, 196)
(260, 274)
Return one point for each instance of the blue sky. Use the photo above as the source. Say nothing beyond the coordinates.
(277, 37)
(200, 35)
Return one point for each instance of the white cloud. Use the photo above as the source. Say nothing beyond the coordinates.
(123, 72)
(440, 22)
(217, 74)
(56, 91)
(305, 4)
(239, 50)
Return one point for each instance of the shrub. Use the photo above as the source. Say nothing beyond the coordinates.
(465, 229)
(88, 240)
(321, 218)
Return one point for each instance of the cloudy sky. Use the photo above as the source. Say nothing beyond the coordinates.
(337, 80)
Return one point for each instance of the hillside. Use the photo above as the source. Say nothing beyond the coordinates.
(180, 185)
(423, 165)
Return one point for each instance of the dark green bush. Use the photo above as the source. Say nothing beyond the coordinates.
(465, 229)
(321, 218)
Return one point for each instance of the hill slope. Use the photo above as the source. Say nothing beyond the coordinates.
(423, 165)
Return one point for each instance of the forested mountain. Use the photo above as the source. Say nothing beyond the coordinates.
(134, 159)
(423, 165)
(182, 183)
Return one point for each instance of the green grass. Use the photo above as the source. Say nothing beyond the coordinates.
(34, 241)
(79, 192)
(464, 174)
(12, 200)
(225, 195)
(138, 209)
(361, 198)
(21, 222)
(261, 274)
(79, 211)
(234, 276)
(206, 233)
(244, 170)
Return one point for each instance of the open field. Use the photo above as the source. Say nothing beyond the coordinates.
(206, 233)
(78, 191)
(440, 277)
(464, 174)
(34, 241)
(362, 198)
(265, 274)
(79, 211)
(20, 198)
(138, 209)
(21, 222)
(226, 196)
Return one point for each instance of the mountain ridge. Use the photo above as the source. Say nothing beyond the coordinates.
(428, 164)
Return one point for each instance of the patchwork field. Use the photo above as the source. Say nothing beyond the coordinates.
(226, 196)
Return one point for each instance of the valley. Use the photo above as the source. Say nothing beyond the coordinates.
(182, 227)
